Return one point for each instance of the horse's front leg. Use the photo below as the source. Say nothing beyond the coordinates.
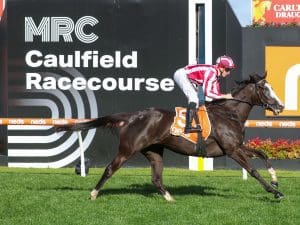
(240, 157)
(251, 152)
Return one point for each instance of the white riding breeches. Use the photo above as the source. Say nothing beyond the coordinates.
(186, 86)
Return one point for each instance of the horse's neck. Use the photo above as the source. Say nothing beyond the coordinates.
(243, 105)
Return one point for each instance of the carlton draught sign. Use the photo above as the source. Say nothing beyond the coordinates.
(85, 59)
(276, 11)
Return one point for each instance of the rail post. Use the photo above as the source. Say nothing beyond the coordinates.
(82, 163)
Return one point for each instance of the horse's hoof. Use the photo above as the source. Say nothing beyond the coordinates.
(168, 197)
(94, 195)
(279, 195)
(93, 198)
(274, 184)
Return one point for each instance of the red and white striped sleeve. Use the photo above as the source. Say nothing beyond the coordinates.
(211, 84)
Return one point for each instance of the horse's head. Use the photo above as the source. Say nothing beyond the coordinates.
(257, 91)
(265, 94)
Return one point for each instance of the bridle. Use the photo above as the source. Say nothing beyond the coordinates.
(264, 105)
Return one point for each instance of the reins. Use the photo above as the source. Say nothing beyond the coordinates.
(264, 105)
(242, 101)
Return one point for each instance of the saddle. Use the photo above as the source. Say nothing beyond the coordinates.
(177, 128)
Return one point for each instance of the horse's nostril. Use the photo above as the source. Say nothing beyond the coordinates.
(281, 107)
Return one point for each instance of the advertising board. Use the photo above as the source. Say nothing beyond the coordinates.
(275, 11)
(283, 66)
(85, 59)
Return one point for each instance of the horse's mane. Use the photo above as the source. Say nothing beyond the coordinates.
(252, 79)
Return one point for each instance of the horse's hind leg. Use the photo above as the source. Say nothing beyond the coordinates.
(117, 162)
(250, 152)
(155, 156)
(240, 157)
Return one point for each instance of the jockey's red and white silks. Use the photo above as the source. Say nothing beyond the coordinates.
(203, 75)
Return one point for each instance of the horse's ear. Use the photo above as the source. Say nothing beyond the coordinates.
(265, 75)
(254, 78)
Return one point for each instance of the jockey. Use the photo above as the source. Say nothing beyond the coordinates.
(200, 83)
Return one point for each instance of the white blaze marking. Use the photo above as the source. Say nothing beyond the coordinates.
(272, 93)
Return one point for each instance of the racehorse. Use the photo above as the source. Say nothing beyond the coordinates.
(148, 132)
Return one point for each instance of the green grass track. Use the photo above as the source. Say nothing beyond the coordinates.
(59, 197)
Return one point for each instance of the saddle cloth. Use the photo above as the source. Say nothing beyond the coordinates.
(178, 125)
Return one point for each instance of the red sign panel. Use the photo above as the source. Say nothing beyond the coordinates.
(2, 3)
(276, 11)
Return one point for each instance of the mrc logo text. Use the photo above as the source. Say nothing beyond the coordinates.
(50, 29)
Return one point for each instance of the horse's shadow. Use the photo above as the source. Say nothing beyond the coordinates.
(149, 190)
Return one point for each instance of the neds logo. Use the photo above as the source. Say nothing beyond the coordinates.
(51, 28)
(283, 66)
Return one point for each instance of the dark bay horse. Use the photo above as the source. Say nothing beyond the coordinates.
(148, 131)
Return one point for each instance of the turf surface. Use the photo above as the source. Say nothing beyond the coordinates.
(59, 197)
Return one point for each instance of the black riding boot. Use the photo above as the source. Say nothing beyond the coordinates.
(191, 113)
(200, 146)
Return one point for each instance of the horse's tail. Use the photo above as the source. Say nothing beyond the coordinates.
(111, 121)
